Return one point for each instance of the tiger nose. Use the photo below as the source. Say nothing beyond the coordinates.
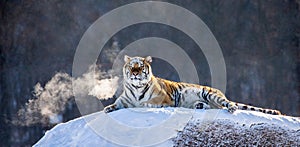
(135, 73)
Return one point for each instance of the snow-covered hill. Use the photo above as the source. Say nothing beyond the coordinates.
(175, 126)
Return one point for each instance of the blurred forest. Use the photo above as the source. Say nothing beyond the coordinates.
(260, 41)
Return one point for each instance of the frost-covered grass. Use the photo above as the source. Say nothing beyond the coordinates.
(228, 133)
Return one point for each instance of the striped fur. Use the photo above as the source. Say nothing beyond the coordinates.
(142, 89)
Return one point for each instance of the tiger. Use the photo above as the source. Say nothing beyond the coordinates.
(142, 89)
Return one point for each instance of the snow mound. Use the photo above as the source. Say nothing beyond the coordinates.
(175, 127)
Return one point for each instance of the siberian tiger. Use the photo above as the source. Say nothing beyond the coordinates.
(143, 89)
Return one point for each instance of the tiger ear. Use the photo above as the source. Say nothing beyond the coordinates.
(127, 58)
(148, 59)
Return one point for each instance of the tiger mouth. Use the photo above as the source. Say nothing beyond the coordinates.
(135, 78)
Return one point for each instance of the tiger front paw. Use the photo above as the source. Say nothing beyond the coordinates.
(110, 108)
(149, 105)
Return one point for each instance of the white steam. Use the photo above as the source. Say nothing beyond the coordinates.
(49, 102)
(105, 88)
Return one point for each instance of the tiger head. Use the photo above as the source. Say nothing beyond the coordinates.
(137, 70)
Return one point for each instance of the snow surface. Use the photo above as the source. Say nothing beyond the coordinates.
(154, 126)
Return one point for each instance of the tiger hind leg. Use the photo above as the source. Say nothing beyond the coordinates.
(201, 105)
(231, 106)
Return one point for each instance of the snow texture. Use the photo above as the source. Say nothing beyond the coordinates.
(175, 127)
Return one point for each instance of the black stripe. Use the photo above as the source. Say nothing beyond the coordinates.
(204, 96)
(124, 104)
(220, 100)
(180, 87)
(127, 86)
(172, 90)
(126, 94)
(136, 87)
(169, 94)
(177, 98)
(150, 96)
(209, 96)
(127, 101)
(131, 91)
(144, 91)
